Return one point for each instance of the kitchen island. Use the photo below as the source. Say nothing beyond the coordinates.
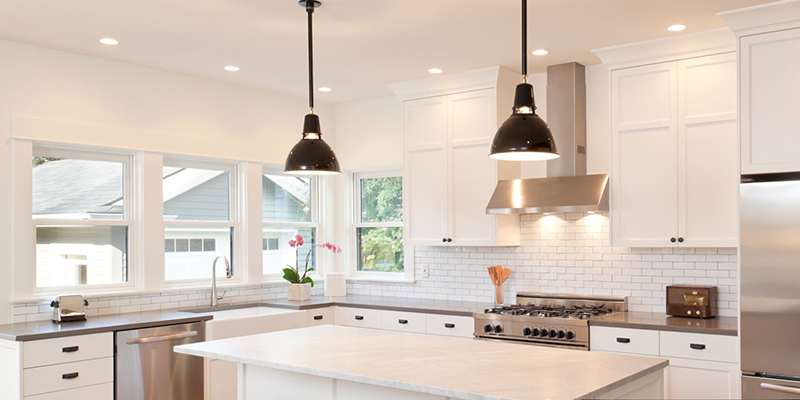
(345, 363)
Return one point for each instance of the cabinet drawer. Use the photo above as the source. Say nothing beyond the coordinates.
(320, 316)
(97, 392)
(68, 376)
(38, 353)
(700, 347)
(403, 321)
(450, 325)
(624, 340)
(360, 317)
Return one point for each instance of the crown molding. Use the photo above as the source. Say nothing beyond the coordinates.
(762, 18)
(688, 45)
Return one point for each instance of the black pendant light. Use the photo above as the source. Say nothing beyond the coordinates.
(524, 136)
(311, 155)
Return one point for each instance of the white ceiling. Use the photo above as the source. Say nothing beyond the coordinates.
(361, 45)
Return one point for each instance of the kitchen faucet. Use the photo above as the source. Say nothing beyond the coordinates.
(214, 299)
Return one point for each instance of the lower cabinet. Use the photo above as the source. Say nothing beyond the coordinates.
(695, 379)
(701, 366)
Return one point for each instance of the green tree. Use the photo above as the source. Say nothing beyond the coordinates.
(381, 249)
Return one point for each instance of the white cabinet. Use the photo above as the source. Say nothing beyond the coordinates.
(695, 379)
(450, 325)
(359, 317)
(448, 175)
(701, 366)
(674, 176)
(770, 129)
(403, 321)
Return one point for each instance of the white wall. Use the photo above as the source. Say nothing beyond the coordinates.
(154, 110)
(370, 133)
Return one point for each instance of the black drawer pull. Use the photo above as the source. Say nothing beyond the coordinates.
(318, 318)
(70, 376)
(449, 326)
(623, 340)
(359, 317)
(70, 349)
(697, 346)
(402, 321)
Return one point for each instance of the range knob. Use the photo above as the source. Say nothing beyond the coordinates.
(498, 328)
(553, 333)
(535, 332)
(561, 334)
(570, 335)
(527, 331)
(488, 328)
(544, 333)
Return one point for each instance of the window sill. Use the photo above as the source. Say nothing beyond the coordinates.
(357, 278)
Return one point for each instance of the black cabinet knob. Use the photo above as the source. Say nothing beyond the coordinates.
(673, 240)
(444, 240)
(449, 240)
(680, 240)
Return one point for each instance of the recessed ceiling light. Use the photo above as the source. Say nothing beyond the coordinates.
(676, 28)
(541, 52)
(324, 89)
(435, 70)
(231, 68)
(109, 41)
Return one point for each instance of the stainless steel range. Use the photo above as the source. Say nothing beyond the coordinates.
(546, 319)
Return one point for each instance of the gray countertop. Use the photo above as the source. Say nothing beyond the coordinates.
(663, 322)
(109, 323)
(384, 303)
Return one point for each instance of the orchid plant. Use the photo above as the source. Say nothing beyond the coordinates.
(292, 274)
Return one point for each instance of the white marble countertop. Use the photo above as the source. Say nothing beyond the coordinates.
(438, 365)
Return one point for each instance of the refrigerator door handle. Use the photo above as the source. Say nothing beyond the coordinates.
(779, 388)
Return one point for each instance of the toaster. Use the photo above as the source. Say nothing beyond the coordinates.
(69, 308)
(692, 301)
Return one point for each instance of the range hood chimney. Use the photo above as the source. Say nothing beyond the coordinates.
(567, 188)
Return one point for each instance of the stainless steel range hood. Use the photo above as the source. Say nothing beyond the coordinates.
(567, 188)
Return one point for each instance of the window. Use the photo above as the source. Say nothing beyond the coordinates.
(199, 218)
(379, 222)
(83, 216)
(288, 207)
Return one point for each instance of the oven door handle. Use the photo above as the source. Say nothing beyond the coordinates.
(780, 388)
(164, 338)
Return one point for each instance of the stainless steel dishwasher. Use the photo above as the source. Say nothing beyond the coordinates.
(146, 368)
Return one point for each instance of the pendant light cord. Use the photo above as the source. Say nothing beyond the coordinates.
(310, 11)
(525, 40)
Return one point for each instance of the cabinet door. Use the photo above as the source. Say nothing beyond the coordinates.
(708, 177)
(770, 129)
(473, 176)
(694, 379)
(644, 144)
(425, 171)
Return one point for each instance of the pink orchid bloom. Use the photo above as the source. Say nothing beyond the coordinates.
(299, 239)
(293, 243)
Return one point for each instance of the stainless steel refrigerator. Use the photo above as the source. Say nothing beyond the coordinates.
(770, 286)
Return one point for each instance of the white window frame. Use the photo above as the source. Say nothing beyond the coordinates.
(316, 215)
(234, 215)
(131, 218)
(354, 201)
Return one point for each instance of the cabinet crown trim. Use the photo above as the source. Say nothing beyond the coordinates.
(668, 49)
(454, 83)
(761, 18)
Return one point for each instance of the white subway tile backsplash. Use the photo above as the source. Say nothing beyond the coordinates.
(567, 254)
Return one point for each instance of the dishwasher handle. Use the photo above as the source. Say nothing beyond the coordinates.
(164, 338)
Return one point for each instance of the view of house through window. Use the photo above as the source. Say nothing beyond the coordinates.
(197, 215)
(80, 217)
(379, 222)
(287, 207)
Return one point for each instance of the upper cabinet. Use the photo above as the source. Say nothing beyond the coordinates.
(448, 175)
(770, 84)
(674, 156)
(769, 60)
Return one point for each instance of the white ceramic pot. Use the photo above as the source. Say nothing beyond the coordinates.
(299, 291)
